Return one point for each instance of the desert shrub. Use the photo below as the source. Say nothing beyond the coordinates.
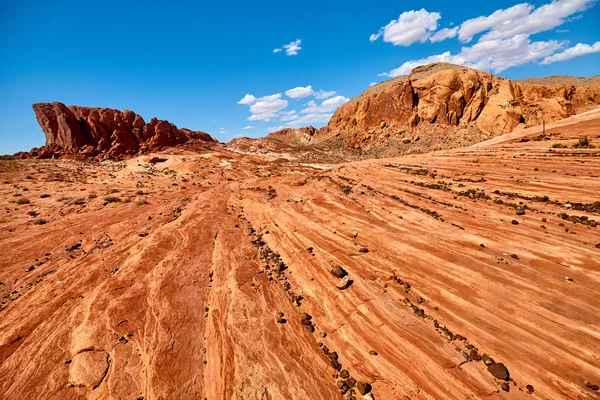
(92, 196)
(77, 202)
(112, 199)
(39, 221)
(559, 146)
(43, 196)
(23, 200)
(584, 143)
(139, 192)
(141, 202)
(114, 190)
(32, 213)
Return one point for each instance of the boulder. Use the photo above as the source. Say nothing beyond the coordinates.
(344, 283)
(338, 271)
(499, 371)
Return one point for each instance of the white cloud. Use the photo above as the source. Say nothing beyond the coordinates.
(372, 83)
(248, 100)
(272, 129)
(326, 106)
(490, 55)
(248, 127)
(300, 92)
(410, 27)
(276, 51)
(292, 48)
(443, 34)
(313, 118)
(265, 108)
(322, 94)
(288, 115)
(521, 19)
(580, 49)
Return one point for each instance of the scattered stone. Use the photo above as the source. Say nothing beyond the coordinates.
(280, 318)
(569, 279)
(344, 374)
(373, 353)
(363, 388)
(363, 250)
(529, 389)
(344, 283)
(338, 271)
(499, 371)
(515, 222)
(487, 360)
(591, 386)
(506, 387)
(350, 382)
(516, 257)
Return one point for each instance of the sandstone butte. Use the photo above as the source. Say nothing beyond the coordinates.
(103, 132)
(247, 271)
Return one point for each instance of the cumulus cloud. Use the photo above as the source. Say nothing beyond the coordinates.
(410, 27)
(288, 115)
(248, 100)
(521, 19)
(443, 34)
(266, 108)
(300, 92)
(580, 49)
(292, 48)
(322, 94)
(505, 37)
(248, 127)
(326, 106)
(372, 83)
(308, 119)
(491, 55)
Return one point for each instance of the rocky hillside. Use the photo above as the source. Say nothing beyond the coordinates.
(448, 97)
(104, 132)
(445, 106)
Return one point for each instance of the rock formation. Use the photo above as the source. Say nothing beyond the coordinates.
(294, 136)
(448, 105)
(450, 96)
(104, 132)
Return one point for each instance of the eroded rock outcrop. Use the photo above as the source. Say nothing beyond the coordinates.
(104, 132)
(451, 96)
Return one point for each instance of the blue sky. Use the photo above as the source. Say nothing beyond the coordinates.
(193, 62)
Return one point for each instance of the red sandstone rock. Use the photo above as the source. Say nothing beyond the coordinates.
(89, 132)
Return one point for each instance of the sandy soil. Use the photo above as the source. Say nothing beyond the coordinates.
(126, 280)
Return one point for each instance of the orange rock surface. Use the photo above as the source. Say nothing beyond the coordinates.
(209, 275)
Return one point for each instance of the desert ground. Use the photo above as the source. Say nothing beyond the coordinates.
(222, 275)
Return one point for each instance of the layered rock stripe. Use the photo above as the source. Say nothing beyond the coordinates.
(169, 297)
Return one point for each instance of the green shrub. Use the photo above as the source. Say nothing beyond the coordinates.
(39, 221)
(584, 143)
(112, 199)
(559, 146)
(141, 202)
(23, 200)
(32, 213)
